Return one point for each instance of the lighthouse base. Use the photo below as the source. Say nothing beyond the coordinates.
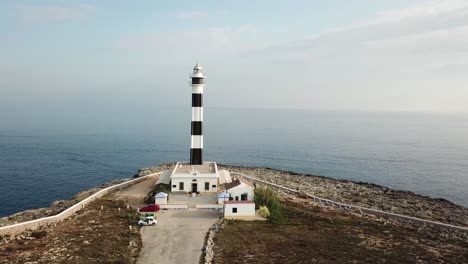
(191, 178)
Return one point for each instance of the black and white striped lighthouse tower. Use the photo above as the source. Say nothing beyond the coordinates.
(196, 146)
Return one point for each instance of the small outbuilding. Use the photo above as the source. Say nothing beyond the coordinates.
(239, 210)
(223, 197)
(240, 190)
(160, 198)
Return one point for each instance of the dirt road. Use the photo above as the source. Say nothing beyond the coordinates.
(135, 194)
(178, 237)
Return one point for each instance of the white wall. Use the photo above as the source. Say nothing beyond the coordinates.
(188, 184)
(241, 189)
(243, 210)
(160, 200)
(222, 200)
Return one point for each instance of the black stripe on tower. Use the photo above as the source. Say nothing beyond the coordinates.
(197, 100)
(197, 128)
(196, 157)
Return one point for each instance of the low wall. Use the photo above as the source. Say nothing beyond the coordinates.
(18, 228)
(209, 206)
(173, 206)
(360, 209)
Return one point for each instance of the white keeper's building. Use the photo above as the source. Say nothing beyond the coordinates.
(195, 178)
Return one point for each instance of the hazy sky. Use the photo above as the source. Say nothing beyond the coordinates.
(109, 56)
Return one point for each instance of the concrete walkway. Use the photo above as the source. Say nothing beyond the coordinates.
(193, 201)
(178, 237)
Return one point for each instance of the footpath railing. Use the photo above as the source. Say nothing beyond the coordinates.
(18, 228)
(360, 209)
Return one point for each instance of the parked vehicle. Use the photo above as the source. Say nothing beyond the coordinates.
(150, 208)
(143, 216)
(148, 221)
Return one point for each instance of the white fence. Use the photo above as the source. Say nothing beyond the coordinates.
(18, 228)
(350, 207)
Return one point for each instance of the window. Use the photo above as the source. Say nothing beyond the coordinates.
(181, 186)
(244, 197)
(174, 186)
(213, 186)
(234, 210)
(237, 198)
(207, 186)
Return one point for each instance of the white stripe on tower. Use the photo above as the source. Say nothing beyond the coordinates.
(196, 145)
(197, 113)
(197, 142)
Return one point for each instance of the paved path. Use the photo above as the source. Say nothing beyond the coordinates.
(178, 237)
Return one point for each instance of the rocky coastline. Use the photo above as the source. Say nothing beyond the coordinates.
(355, 193)
(55, 207)
(344, 191)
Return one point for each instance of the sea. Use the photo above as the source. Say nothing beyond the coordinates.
(50, 160)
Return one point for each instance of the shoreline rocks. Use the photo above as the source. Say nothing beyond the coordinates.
(354, 192)
(55, 207)
(345, 191)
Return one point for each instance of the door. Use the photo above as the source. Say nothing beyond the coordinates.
(194, 187)
(181, 186)
(207, 186)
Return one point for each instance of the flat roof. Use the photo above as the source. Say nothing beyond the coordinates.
(239, 202)
(185, 167)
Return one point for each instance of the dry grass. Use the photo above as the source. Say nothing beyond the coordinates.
(317, 235)
(90, 236)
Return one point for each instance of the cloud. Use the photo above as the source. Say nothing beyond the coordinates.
(53, 13)
(423, 9)
(411, 59)
(191, 15)
(211, 42)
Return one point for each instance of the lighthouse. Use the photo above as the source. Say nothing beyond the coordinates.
(196, 145)
(196, 175)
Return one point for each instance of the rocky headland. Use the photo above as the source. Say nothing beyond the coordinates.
(355, 193)
(344, 191)
(374, 236)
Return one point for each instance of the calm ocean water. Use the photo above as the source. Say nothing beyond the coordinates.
(424, 153)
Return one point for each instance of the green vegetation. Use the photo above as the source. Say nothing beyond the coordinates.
(133, 217)
(157, 188)
(264, 212)
(265, 196)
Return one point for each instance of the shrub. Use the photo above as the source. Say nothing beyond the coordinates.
(39, 234)
(264, 212)
(156, 189)
(265, 196)
(133, 217)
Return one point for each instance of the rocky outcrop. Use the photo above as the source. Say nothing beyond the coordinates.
(363, 194)
(162, 167)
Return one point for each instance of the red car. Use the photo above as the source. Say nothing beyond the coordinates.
(150, 208)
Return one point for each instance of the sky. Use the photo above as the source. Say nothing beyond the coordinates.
(109, 57)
